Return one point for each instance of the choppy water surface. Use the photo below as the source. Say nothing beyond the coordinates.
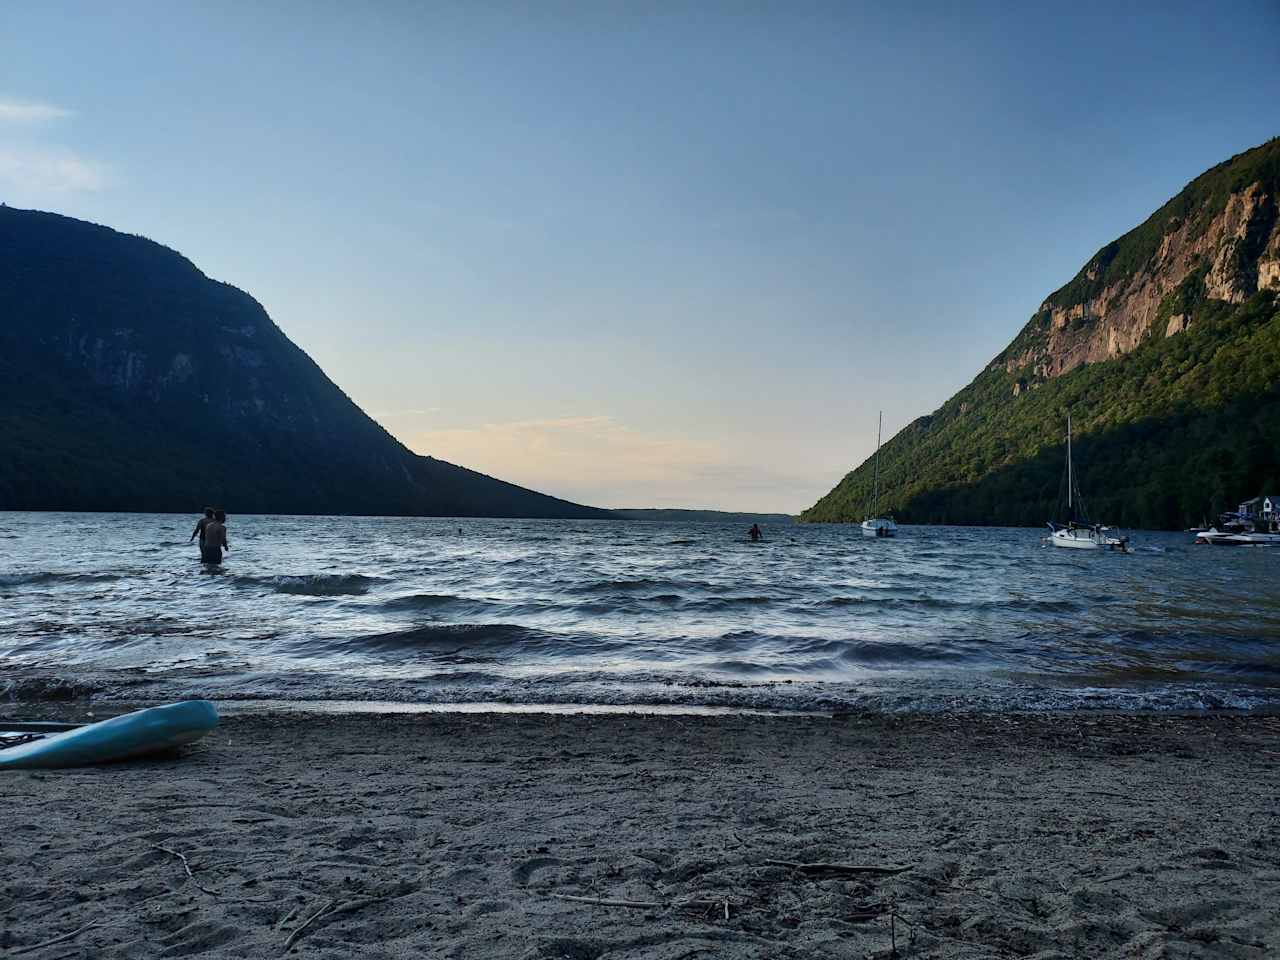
(627, 612)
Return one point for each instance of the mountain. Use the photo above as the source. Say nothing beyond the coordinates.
(1165, 347)
(131, 381)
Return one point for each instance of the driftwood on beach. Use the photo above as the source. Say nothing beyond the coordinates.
(839, 869)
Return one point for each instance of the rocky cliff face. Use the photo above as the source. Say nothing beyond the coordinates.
(1232, 252)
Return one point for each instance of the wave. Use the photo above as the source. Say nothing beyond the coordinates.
(423, 601)
(723, 604)
(448, 637)
(1034, 606)
(756, 651)
(313, 584)
(454, 606)
(939, 603)
(639, 583)
(891, 603)
(54, 576)
(44, 689)
(639, 692)
(890, 652)
(629, 605)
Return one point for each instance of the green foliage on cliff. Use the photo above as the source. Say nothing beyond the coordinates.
(1177, 430)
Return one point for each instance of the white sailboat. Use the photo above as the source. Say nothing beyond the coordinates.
(878, 526)
(1078, 533)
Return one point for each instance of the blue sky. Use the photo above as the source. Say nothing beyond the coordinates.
(634, 254)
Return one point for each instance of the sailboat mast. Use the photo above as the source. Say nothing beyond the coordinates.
(875, 500)
(1070, 480)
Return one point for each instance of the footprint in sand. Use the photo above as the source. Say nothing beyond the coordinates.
(523, 873)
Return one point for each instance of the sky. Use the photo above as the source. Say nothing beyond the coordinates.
(634, 254)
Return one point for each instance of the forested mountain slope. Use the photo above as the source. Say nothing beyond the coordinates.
(131, 381)
(1165, 347)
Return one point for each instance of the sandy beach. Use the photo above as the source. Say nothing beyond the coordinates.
(665, 838)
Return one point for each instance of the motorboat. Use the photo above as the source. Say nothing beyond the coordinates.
(1237, 530)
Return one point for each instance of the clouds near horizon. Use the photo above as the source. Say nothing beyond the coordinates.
(33, 169)
(26, 111)
(604, 462)
(34, 173)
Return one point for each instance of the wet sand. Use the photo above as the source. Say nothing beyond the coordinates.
(454, 835)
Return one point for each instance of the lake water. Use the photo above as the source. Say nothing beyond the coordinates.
(629, 612)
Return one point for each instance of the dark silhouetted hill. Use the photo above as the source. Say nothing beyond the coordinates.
(131, 381)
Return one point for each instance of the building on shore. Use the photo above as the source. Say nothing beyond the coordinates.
(1263, 511)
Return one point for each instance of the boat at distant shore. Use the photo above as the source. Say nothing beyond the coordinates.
(876, 525)
(1078, 532)
(1219, 538)
(1237, 530)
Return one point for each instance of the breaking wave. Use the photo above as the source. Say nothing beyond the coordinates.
(53, 576)
(314, 584)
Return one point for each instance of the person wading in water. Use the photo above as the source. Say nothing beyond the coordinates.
(200, 525)
(215, 539)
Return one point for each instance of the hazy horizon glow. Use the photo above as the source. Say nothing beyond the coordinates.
(668, 257)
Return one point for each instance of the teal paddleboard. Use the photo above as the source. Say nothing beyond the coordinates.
(137, 734)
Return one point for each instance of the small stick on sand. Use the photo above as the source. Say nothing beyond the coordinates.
(603, 902)
(294, 937)
(187, 867)
(640, 904)
(49, 943)
(355, 905)
(862, 916)
(850, 868)
(174, 853)
(1118, 876)
(287, 917)
(328, 910)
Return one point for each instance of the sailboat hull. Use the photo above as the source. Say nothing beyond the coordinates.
(1063, 538)
(1086, 538)
(879, 527)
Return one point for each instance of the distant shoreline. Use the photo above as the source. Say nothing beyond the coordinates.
(637, 514)
(702, 516)
(694, 516)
